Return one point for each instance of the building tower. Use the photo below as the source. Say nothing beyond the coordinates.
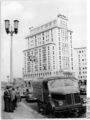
(80, 64)
(49, 50)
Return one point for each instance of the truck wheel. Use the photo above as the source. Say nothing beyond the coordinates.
(48, 109)
(40, 107)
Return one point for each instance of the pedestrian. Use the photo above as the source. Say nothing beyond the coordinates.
(18, 95)
(10, 100)
(20, 92)
(6, 99)
(13, 98)
(15, 101)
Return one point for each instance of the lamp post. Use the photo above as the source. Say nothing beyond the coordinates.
(11, 32)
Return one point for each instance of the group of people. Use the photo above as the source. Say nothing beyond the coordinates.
(11, 98)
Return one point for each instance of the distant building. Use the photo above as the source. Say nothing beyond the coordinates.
(3, 84)
(49, 49)
(80, 63)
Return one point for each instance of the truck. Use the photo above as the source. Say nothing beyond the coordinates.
(57, 94)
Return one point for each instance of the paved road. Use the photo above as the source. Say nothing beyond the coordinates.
(21, 112)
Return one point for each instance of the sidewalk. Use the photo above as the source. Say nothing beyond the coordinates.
(22, 112)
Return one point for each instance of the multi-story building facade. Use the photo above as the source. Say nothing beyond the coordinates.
(49, 49)
(80, 64)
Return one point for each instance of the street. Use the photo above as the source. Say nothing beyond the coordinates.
(21, 112)
(30, 110)
(33, 105)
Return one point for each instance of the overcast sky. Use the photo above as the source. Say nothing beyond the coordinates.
(34, 13)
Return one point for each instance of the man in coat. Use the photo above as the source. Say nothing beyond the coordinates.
(13, 95)
(11, 100)
(6, 99)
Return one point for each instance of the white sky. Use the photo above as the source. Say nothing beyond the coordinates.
(34, 13)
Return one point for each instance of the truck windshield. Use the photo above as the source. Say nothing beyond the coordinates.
(62, 83)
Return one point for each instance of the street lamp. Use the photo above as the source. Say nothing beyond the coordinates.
(16, 26)
(7, 28)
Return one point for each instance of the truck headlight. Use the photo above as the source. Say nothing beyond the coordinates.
(60, 103)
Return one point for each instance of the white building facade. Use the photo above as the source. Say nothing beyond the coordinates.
(49, 50)
(80, 63)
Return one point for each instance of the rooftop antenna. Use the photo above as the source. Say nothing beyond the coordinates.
(58, 13)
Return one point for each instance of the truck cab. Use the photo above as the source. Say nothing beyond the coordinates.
(57, 94)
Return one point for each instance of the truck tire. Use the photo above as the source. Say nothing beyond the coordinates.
(40, 109)
(48, 109)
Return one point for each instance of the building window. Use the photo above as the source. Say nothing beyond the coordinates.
(44, 67)
(51, 39)
(53, 52)
(79, 60)
(43, 38)
(79, 73)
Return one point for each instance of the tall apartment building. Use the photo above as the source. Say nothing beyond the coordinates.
(50, 47)
(80, 63)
